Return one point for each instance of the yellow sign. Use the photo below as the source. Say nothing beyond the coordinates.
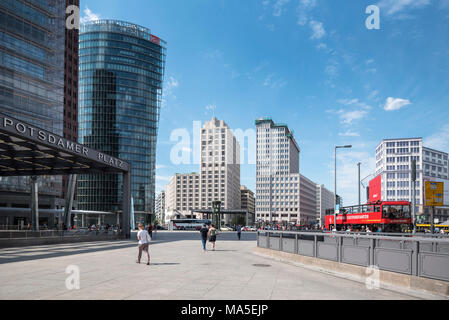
(434, 194)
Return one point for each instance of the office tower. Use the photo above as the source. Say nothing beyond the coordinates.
(182, 194)
(277, 173)
(160, 207)
(121, 70)
(248, 202)
(220, 166)
(324, 201)
(393, 165)
(32, 47)
(307, 200)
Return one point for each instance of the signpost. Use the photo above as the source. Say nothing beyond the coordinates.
(434, 197)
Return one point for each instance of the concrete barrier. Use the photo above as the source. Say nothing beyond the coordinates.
(168, 236)
(412, 285)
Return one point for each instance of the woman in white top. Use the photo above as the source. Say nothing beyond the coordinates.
(144, 241)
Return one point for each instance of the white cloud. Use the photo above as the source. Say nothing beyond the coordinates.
(321, 46)
(303, 11)
(373, 94)
(211, 107)
(332, 69)
(89, 16)
(170, 84)
(318, 31)
(163, 178)
(213, 54)
(355, 102)
(439, 140)
(279, 7)
(394, 6)
(274, 83)
(348, 117)
(395, 104)
(349, 134)
(160, 166)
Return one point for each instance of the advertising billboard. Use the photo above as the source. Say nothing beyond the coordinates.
(375, 189)
(434, 194)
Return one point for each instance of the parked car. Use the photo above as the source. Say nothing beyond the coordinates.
(226, 229)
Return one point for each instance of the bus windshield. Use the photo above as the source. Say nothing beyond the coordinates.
(395, 212)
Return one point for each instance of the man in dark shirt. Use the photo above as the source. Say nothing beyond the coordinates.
(203, 231)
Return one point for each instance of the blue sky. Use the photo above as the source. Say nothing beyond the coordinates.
(312, 64)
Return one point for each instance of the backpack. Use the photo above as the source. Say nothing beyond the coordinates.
(213, 232)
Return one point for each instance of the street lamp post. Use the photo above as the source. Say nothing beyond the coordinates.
(335, 185)
(360, 201)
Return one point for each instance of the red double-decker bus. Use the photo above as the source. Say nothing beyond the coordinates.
(389, 216)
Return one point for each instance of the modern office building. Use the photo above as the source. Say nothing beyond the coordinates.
(277, 173)
(283, 195)
(182, 194)
(220, 166)
(307, 200)
(160, 207)
(32, 35)
(121, 71)
(393, 165)
(324, 201)
(70, 128)
(248, 202)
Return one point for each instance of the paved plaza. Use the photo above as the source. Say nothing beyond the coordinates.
(179, 270)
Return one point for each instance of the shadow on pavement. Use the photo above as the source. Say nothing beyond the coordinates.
(27, 255)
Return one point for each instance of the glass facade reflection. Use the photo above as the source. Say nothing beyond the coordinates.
(121, 74)
(32, 34)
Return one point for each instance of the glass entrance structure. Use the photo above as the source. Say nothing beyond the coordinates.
(121, 74)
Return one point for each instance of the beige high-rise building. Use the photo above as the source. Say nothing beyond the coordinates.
(220, 166)
(182, 195)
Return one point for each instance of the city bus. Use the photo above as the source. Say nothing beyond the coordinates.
(387, 216)
(188, 224)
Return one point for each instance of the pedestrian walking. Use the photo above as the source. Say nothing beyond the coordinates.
(212, 235)
(150, 230)
(204, 232)
(144, 241)
(239, 231)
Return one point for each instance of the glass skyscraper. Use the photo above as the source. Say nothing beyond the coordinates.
(121, 73)
(32, 34)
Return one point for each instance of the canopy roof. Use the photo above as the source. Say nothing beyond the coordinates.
(27, 150)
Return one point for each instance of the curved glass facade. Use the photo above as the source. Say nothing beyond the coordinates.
(121, 74)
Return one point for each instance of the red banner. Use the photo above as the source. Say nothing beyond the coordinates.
(375, 189)
(155, 39)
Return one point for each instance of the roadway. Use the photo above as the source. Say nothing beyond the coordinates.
(179, 270)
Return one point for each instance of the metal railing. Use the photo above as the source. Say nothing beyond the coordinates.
(418, 255)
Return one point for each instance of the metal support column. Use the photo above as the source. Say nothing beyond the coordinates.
(69, 200)
(34, 204)
(126, 212)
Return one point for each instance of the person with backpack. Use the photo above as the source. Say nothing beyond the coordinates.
(212, 235)
(144, 241)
